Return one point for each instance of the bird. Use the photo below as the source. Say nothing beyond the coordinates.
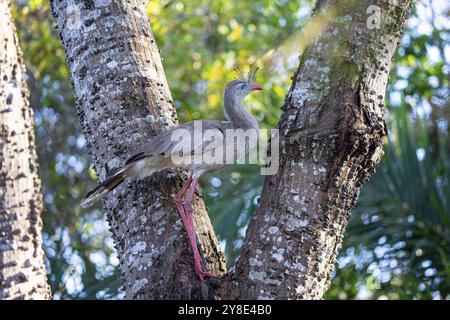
(156, 155)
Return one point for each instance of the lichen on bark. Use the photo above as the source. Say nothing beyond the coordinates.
(22, 262)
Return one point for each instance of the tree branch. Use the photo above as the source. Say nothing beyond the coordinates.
(22, 262)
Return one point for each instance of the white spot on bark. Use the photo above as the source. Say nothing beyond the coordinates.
(132, 214)
(278, 254)
(143, 219)
(278, 257)
(300, 290)
(170, 175)
(272, 282)
(114, 163)
(112, 64)
(257, 276)
(142, 262)
(298, 266)
(254, 262)
(149, 119)
(310, 63)
(303, 223)
(293, 223)
(302, 93)
(101, 3)
(135, 122)
(273, 230)
(138, 285)
(140, 246)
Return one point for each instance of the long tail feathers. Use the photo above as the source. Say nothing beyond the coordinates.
(103, 188)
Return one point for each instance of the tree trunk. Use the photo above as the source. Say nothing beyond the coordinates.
(123, 101)
(331, 132)
(22, 261)
(331, 139)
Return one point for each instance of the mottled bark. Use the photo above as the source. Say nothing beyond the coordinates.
(123, 100)
(331, 139)
(331, 133)
(22, 263)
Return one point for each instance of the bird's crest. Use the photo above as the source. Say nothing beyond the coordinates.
(249, 77)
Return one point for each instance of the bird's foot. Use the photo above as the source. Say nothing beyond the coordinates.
(204, 274)
(200, 271)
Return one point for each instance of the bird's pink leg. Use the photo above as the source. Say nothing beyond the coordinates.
(180, 207)
(197, 258)
(189, 226)
(179, 202)
(179, 198)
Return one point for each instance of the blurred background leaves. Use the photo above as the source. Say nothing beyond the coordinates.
(397, 242)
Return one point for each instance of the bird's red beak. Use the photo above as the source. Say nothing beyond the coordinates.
(255, 87)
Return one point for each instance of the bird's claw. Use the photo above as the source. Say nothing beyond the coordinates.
(201, 273)
(205, 274)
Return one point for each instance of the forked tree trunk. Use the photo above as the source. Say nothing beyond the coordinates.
(331, 139)
(22, 262)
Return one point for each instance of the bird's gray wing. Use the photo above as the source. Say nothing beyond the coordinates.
(163, 144)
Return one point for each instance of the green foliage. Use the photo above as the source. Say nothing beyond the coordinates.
(212, 38)
(231, 197)
(400, 232)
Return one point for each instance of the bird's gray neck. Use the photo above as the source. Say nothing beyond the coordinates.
(236, 113)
